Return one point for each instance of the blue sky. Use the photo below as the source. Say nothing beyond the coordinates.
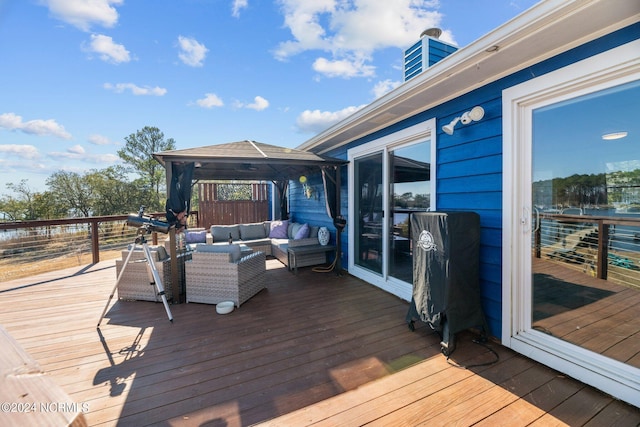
(79, 76)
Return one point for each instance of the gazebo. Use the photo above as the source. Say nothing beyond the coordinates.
(247, 161)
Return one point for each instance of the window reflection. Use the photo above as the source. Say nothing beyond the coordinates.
(586, 193)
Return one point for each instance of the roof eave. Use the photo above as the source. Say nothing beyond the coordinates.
(550, 23)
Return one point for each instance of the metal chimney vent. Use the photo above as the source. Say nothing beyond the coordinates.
(432, 32)
(426, 52)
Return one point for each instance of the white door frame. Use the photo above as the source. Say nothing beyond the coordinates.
(418, 133)
(614, 67)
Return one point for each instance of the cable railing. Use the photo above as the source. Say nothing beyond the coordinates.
(32, 247)
(606, 247)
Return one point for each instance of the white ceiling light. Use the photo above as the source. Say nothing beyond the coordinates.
(614, 135)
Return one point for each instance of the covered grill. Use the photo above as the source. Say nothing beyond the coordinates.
(446, 285)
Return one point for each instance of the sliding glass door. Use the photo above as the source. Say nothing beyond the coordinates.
(368, 204)
(571, 260)
(410, 191)
(389, 180)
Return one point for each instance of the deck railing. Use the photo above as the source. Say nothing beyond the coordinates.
(29, 247)
(607, 247)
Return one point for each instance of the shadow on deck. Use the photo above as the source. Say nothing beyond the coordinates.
(311, 348)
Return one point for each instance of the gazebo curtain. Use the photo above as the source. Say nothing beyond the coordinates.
(329, 182)
(282, 191)
(180, 192)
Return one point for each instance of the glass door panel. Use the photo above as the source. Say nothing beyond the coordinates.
(585, 278)
(369, 209)
(409, 179)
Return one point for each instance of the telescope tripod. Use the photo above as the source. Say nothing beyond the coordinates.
(154, 277)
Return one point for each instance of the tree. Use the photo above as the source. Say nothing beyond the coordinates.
(234, 191)
(28, 205)
(138, 153)
(114, 194)
(74, 191)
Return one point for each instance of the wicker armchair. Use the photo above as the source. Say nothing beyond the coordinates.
(137, 282)
(217, 273)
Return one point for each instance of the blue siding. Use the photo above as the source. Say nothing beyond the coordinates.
(310, 210)
(469, 162)
(413, 56)
(424, 54)
(313, 211)
(439, 50)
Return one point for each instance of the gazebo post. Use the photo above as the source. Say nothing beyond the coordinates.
(338, 230)
(173, 253)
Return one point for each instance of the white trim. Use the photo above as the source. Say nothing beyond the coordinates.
(418, 133)
(615, 67)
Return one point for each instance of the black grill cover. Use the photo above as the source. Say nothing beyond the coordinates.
(446, 286)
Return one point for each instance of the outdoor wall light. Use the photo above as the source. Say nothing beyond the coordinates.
(475, 114)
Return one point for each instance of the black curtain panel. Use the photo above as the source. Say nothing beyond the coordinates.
(179, 197)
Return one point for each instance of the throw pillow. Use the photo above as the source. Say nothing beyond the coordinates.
(196, 236)
(279, 229)
(302, 233)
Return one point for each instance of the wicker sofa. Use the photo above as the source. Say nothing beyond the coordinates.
(136, 282)
(218, 273)
(271, 237)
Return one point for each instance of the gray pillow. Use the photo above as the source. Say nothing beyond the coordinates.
(220, 233)
(252, 231)
(294, 227)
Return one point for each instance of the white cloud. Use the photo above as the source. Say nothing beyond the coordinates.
(210, 100)
(385, 86)
(136, 90)
(83, 13)
(107, 49)
(238, 5)
(258, 104)
(72, 154)
(316, 121)
(345, 68)
(76, 149)
(10, 167)
(12, 121)
(191, 53)
(98, 139)
(22, 151)
(352, 30)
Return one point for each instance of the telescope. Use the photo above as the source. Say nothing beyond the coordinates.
(141, 220)
(145, 224)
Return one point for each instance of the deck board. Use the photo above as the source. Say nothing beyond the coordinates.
(312, 348)
(593, 313)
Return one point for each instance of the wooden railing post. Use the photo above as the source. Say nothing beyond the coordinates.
(95, 242)
(603, 249)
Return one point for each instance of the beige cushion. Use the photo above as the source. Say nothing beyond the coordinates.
(158, 252)
(233, 250)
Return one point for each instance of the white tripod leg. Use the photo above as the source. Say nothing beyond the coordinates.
(124, 266)
(157, 280)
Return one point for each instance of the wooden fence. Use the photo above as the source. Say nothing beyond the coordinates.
(212, 211)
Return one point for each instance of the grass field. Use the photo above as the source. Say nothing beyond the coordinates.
(12, 268)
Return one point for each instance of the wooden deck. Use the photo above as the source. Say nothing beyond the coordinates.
(597, 314)
(311, 349)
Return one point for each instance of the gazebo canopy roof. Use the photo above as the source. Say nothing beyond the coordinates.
(247, 160)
